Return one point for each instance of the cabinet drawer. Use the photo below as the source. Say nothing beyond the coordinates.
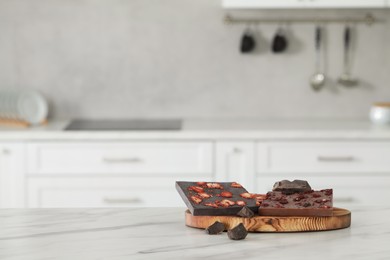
(132, 158)
(327, 157)
(48, 192)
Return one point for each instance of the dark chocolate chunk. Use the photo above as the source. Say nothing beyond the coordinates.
(238, 232)
(246, 212)
(215, 228)
(289, 187)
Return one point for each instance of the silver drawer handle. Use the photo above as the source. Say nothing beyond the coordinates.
(122, 200)
(237, 150)
(335, 158)
(122, 160)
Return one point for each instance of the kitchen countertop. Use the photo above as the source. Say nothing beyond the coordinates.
(146, 233)
(214, 129)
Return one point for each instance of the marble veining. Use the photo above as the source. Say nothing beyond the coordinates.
(148, 233)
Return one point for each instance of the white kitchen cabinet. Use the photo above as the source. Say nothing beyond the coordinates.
(143, 173)
(235, 161)
(358, 171)
(11, 175)
(301, 4)
(114, 174)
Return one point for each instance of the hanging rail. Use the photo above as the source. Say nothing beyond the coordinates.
(369, 19)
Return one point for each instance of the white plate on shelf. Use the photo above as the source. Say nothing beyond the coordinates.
(29, 106)
(32, 107)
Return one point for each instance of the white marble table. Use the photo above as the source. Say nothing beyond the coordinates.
(161, 234)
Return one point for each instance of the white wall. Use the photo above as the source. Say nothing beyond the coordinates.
(176, 58)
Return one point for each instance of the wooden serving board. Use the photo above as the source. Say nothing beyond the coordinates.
(341, 219)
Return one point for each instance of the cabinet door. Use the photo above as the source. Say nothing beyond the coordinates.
(11, 175)
(236, 162)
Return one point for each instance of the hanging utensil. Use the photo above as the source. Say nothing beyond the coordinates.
(248, 42)
(280, 42)
(346, 78)
(317, 81)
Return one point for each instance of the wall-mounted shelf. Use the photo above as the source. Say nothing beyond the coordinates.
(304, 4)
(368, 20)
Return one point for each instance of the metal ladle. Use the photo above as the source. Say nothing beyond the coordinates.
(317, 81)
(346, 78)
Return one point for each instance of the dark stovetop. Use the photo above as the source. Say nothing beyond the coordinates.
(124, 125)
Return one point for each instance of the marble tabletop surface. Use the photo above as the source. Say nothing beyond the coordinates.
(160, 233)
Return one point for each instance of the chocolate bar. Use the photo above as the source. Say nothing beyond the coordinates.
(215, 198)
(308, 203)
(239, 232)
(290, 187)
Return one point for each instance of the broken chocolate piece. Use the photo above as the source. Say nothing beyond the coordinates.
(246, 212)
(290, 187)
(238, 232)
(215, 228)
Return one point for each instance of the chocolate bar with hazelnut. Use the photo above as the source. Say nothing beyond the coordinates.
(308, 203)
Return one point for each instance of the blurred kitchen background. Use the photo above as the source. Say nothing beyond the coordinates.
(248, 117)
(177, 58)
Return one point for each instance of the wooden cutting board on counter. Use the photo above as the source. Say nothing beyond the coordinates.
(341, 219)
